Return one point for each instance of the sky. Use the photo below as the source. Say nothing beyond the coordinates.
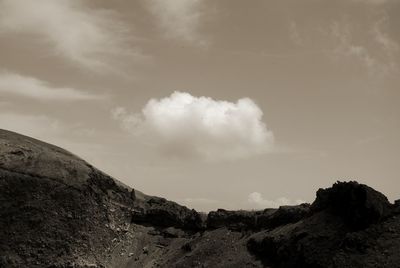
(213, 104)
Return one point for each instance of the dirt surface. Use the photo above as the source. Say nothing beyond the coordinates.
(56, 210)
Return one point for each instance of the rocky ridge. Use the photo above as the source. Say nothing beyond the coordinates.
(56, 210)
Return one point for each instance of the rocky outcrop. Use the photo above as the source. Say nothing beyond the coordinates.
(234, 220)
(348, 225)
(161, 212)
(357, 204)
(241, 220)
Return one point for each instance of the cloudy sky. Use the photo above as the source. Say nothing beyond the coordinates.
(232, 104)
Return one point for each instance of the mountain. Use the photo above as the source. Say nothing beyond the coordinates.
(56, 210)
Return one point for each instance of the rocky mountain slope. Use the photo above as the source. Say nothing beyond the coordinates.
(56, 210)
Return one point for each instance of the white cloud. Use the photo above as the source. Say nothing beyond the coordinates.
(26, 86)
(257, 200)
(183, 125)
(87, 36)
(180, 19)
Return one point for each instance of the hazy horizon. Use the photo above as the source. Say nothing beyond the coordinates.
(210, 103)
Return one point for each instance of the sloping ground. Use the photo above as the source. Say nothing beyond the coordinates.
(56, 210)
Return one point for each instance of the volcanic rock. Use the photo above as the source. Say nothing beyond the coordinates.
(358, 204)
(161, 212)
(56, 210)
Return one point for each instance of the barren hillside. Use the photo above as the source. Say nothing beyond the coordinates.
(56, 210)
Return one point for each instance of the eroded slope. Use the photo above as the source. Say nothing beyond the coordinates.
(56, 210)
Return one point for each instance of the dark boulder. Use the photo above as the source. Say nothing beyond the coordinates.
(358, 204)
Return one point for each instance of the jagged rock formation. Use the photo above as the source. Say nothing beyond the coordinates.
(256, 220)
(56, 210)
(161, 212)
(349, 225)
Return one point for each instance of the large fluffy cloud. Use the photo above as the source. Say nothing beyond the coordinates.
(184, 125)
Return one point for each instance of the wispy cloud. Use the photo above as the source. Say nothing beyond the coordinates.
(369, 139)
(257, 200)
(387, 44)
(376, 55)
(341, 32)
(30, 87)
(179, 19)
(89, 37)
(185, 126)
(373, 2)
(294, 34)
